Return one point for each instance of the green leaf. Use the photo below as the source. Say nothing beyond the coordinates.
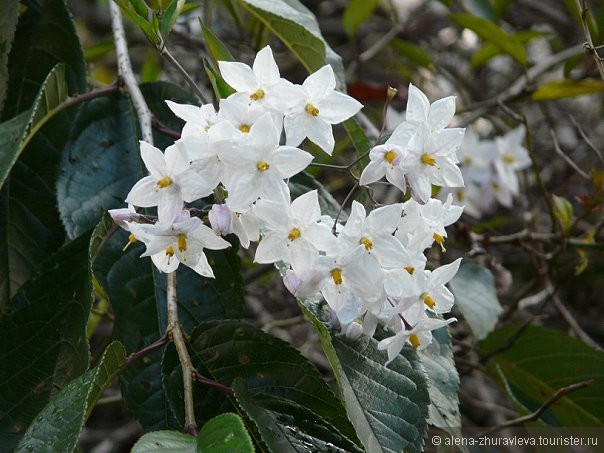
(9, 13)
(101, 161)
(481, 8)
(299, 30)
(411, 51)
(221, 89)
(274, 383)
(359, 139)
(438, 361)
(475, 296)
(139, 13)
(171, 14)
(563, 210)
(45, 36)
(560, 89)
(224, 434)
(20, 130)
(357, 12)
(165, 442)
(218, 50)
(540, 361)
(57, 427)
(496, 35)
(43, 339)
(388, 405)
(303, 183)
(490, 50)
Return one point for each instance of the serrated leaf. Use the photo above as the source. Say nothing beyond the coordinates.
(299, 30)
(560, 89)
(277, 384)
(388, 405)
(45, 36)
(225, 433)
(563, 211)
(101, 162)
(496, 35)
(9, 13)
(541, 361)
(303, 183)
(165, 442)
(357, 12)
(438, 361)
(475, 296)
(43, 339)
(57, 427)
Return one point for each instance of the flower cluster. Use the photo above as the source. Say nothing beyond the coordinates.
(490, 168)
(369, 269)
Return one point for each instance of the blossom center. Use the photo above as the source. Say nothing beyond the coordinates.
(414, 340)
(508, 159)
(164, 182)
(427, 299)
(245, 128)
(440, 240)
(263, 166)
(459, 195)
(257, 95)
(390, 155)
(410, 269)
(182, 242)
(367, 243)
(169, 251)
(294, 234)
(312, 110)
(336, 275)
(428, 159)
(131, 240)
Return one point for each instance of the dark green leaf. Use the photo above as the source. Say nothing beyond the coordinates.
(496, 35)
(438, 361)
(533, 366)
(171, 14)
(359, 140)
(559, 89)
(388, 405)
(57, 427)
(224, 434)
(45, 36)
(218, 50)
(412, 51)
(9, 13)
(140, 13)
(165, 442)
(475, 296)
(357, 12)
(490, 50)
(303, 182)
(43, 340)
(221, 89)
(481, 8)
(276, 382)
(299, 30)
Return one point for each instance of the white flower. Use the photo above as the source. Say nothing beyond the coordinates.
(259, 171)
(476, 157)
(243, 115)
(244, 225)
(436, 115)
(262, 84)
(170, 182)
(183, 241)
(197, 119)
(320, 107)
(292, 233)
(434, 294)
(512, 157)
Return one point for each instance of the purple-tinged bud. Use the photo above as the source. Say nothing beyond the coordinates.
(291, 281)
(220, 219)
(123, 215)
(354, 331)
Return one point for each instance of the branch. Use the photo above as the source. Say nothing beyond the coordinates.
(213, 384)
(589, 45)
(125, 70)
(159, 343)
(203, 97)
(560, 393)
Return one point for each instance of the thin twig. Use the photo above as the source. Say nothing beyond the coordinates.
(213, 384)
(587, 140)
(125, 70)
(188, 371)
(589, 45)
(158, 344)
(162, 128)
(565, 156)
(203, 97)
(573, 324)
(560, 393)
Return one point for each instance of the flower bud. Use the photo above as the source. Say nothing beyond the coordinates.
(291, 281)
(353, 331)
(220, 219)
(123, 215)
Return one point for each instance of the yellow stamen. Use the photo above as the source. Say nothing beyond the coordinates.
(509, 159)
(131, 240)
(410, 269)
(294, 234)
(245, 128)
(336, 274)
(414, 340)
(428, 300)
(182, 242)
(263, 166)
(390, 155)
(459, 195)
(467, 160)
(427, 159)
(257, 95)
(495, 186)
(367, 243)
(312, 110)
(164, 182)
(440, 240)
(169, 251)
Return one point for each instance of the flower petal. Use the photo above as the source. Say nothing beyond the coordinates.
(417, 105)
(441, 113)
